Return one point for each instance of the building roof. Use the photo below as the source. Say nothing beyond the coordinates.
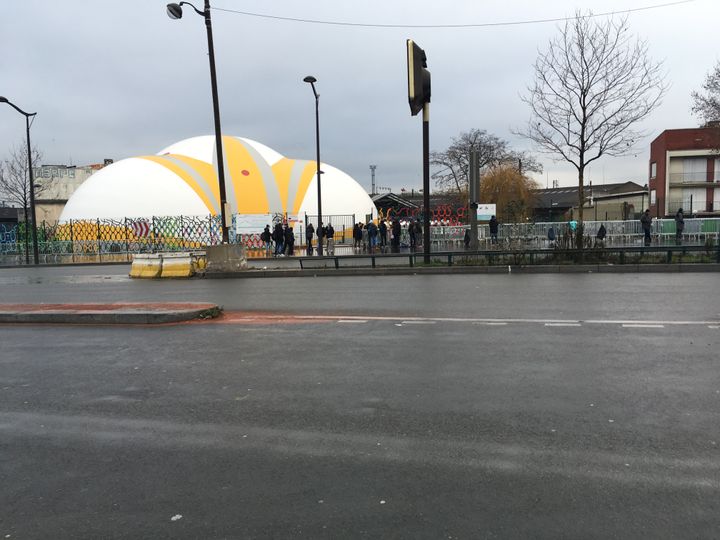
(567, 197)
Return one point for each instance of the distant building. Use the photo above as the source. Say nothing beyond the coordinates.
(620, 201)
(8, 215)
(54, 184)
(685, 171)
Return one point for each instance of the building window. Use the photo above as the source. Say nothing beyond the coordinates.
(653, 196)
(717, 170)
(694, 169)
(653, 170)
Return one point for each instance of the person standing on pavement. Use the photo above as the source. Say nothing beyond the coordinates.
(382, 230)
(411, 234)
(357, 236)
(395, 240)
(466, 239)
(600, 237)
(418, 232)
(289, 240)
(320, 237)
(679, 226)
(330, 232)
(372, 236)
(309, 233)
(266, 238)
(646, 222)
(279, 238)
(493, 229)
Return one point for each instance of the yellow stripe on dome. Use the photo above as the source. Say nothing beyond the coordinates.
(198, 175)
(309, 172)
(248, 182)
(282, 170)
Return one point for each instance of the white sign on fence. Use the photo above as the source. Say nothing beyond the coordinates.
(485, 212)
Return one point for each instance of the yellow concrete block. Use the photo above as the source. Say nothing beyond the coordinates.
(146, 266)
(177, 266)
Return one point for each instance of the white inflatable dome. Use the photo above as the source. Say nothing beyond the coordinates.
(181, 180)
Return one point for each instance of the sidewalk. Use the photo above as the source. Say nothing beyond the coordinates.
(122, 313)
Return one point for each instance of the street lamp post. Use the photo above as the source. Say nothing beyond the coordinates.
(174, 11)
(31, 179)
(312, 80)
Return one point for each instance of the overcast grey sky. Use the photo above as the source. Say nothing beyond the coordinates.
(120, 79)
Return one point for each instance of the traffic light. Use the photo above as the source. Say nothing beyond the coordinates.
(418, 78)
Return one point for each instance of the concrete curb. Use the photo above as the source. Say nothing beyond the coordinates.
(434, 270)
(125, 313)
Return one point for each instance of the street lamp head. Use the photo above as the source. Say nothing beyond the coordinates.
(310, 79)
(174, 11)
(3, 99)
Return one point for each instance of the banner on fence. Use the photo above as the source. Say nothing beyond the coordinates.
(485, 212)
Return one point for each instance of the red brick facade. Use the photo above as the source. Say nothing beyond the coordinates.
(700, 143)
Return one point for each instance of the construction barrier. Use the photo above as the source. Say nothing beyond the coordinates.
(146, 266)
(167, 265)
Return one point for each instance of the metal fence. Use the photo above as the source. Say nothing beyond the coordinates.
(104, 240)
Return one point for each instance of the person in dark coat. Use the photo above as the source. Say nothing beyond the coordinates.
(466, 239)
(309, 233)
(600, 237)
(382, 229)
(320, 236)
(289, 240)
(266, 238)
(679, 226)
(411, 234)
(493, 229)
(395, 241)
(646, 222)
(357, 236)
(279, 238)
(330, 235)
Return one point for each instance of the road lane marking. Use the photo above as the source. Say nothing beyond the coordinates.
(352, 321)
(643, 326)
(259, 318)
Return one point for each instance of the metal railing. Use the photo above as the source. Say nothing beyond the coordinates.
(109, 240)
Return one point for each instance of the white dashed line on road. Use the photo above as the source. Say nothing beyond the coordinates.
(352, 321)
(491, 323)
(562, 324)
(643, 326)
(711, 327)
(418, 322)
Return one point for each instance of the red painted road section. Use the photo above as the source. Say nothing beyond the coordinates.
(262, 318)
(140, 306)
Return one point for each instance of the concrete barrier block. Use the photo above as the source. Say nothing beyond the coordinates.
(177, 265)
(226, 258)
(146, 266)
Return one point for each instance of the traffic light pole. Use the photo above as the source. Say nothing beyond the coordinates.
(426, 182)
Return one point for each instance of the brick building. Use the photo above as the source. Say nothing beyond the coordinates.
(685, 171)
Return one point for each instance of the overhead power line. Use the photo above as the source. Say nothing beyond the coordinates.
(464, 25)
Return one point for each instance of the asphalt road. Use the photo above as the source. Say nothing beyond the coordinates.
(542, 406)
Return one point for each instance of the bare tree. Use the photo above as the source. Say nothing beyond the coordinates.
(707, 105)
(14, 177)
(451, 174)
(592, 85)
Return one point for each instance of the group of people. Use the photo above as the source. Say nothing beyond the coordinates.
(282, 237)
(370, 237)
(325, 239)
(646, 222)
